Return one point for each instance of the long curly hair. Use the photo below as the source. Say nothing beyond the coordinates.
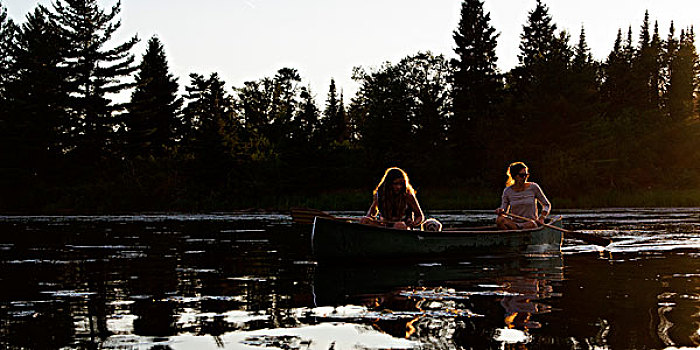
(391, 204)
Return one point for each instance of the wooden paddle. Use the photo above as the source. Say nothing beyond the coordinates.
(306, 216)
(589, 238)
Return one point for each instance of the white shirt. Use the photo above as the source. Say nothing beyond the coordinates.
(524, 203)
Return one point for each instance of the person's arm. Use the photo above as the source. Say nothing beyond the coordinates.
(413, 203)
(374, 208)
(505, 202)
(369, 218)
(546, 205)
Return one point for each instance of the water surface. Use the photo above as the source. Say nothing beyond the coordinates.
(242, 281)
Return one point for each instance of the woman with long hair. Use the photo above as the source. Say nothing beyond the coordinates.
(394, 202)
(521, 197)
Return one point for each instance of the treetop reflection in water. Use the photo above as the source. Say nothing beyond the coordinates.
(249, 281)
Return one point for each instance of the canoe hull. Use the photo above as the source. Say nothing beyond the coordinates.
(338, 239)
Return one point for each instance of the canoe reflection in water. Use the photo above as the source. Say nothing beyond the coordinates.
(435, 302)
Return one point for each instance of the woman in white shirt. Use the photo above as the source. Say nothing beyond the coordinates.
(520, 197)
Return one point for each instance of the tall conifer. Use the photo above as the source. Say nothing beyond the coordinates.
(209, 125)
(97, 69)
(35, 119)
(645, 69)
(683, 84)
(8, 32)
(152, 120)
(334, 123)
(477, 82)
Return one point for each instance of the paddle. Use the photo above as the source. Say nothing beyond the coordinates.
(601, 241)
(306, 216)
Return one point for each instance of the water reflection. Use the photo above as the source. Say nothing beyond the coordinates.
(434, 302)
(237, 281)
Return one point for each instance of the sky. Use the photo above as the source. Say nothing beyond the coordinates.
(246, 40)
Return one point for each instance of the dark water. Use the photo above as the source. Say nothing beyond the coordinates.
(249, 282)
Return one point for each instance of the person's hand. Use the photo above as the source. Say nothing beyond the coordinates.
(366, 220)
(401, 225)
(500, 211)
(540, 220)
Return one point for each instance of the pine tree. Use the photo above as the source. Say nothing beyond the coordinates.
(669, 52)
(253, 104)
(210, 130)
(285, 98)
(35, 119)
(585, 96)
(582, 53)
(477, 82)
(306, 120)
(645, 70)
(538, 40)
(683, 84)
(343, 116)
(616, 72)
(96, 70)
(544, 54)
(655, 78)
(8, 32)
(333, 128)
(152, 120)
(540, 86)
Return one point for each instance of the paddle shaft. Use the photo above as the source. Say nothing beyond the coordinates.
(579, 235)
(306, 215)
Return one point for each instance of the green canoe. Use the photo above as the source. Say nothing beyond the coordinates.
(335, 239)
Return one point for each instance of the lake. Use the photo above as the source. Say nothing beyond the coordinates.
(249, 281)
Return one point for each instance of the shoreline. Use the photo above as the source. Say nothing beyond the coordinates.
(359, 200)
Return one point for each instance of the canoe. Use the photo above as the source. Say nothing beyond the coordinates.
(334, 239)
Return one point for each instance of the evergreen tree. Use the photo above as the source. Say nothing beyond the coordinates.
(344, 118)
(254, 104)
(333, 128)
(306, 121)
(669, 52)
(8, 31)
(152, 120)
(645, 71)
(210, 129)
(477, 83)
(538, 39)
(34, 122)
(655, 78)
(540, 86)
(585, 90)
(285, 98)
(616, 79)
(582, 53)
(96, 70)
(683, 84)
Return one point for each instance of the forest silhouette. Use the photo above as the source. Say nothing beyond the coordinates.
(594, 133)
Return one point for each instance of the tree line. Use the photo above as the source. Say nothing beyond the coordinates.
(625, 123)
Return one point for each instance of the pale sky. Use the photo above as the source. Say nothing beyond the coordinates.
(247, 40)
